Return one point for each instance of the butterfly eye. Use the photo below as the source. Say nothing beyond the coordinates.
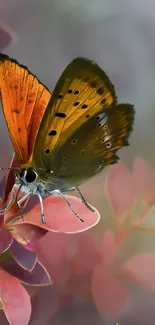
(76, 92)
(70, 91)
(28, 175)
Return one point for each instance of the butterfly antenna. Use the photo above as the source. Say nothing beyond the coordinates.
(44, 169)
(8, 168)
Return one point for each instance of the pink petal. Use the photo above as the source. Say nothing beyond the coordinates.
(38, 276)
(120, 188)
(60, 218)
(53, 252)
(108, 247)
(140, 269)
(86, 255)
(5, 240)
(79, 286)
(28, 234)
(144, 177)
(17, 305)
(13, 213)
(25, 258)
(10, 180)
(109, 293)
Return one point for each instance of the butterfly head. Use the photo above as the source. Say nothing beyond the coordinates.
(27, 176)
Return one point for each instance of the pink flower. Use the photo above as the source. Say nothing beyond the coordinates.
(70, 263)
(14, 300)
(109, 293)
(132, 195)
(18, 259)
(127, 255)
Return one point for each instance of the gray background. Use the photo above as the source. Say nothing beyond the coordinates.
(119, 36)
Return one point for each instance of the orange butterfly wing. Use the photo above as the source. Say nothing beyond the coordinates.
(24, 99)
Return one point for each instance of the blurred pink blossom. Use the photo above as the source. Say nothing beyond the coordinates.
(124, 189)
(131, 195)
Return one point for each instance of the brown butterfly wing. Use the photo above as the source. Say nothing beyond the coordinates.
(92, 147)
(82, 90)
(24, 100)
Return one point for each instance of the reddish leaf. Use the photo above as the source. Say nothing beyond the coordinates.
(60, 218)
(28, 234)
(5, 240)
(38, 275)
(17, 305)
(10, 180)
(25, 258)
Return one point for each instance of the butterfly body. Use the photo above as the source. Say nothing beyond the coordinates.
(33, 184)
(64, 138)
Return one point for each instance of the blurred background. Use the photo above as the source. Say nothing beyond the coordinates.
(120, 37)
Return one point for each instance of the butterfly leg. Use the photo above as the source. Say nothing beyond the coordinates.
(41, 208)
(41, 204)
(22, 200)
(58, 192)
(84, 201)
(19, 202)
(11, 200)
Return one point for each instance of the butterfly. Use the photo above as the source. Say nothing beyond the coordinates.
(63, 138)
